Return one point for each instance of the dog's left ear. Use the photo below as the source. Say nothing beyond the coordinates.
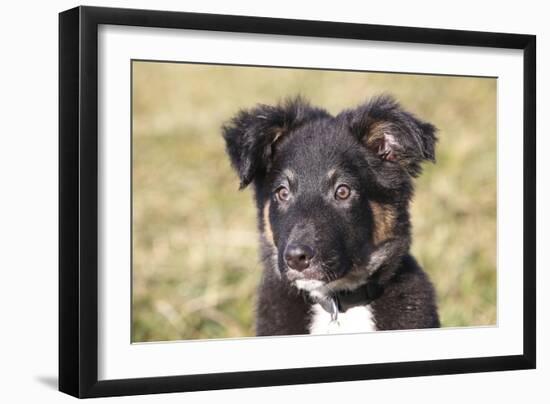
(251, 135)
(394, 134)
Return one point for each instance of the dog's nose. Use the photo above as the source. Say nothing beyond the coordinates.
(298, 256)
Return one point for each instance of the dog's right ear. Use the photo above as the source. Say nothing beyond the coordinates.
(251, 135)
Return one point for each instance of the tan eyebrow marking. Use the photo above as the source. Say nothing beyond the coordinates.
(289, 174)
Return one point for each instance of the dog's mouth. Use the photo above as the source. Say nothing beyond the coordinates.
(310, 279)
(310, 274)
(310, 271)
(317, 281)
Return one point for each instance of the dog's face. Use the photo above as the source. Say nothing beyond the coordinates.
(332, 191)
(315, 197)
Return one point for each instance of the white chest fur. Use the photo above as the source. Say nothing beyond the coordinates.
(354, 320)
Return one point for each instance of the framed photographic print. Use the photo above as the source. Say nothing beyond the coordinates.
(251, 201)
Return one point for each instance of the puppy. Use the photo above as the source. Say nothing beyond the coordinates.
(333, 195)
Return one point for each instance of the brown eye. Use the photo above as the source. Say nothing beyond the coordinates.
(283, 194)
(342, 192)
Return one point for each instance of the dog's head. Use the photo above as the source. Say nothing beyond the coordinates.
(332, 191)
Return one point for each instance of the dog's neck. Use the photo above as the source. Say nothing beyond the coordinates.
(343, 300)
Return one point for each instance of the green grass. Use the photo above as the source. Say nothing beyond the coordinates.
(195, 251)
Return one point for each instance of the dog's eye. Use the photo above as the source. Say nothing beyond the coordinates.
(342, 192)
(283, 194)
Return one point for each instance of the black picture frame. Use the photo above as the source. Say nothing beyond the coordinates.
(78, 200)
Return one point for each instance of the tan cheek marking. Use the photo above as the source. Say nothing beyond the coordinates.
(268, 232)
(384, 222)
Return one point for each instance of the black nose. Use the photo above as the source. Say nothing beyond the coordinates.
(298, 256)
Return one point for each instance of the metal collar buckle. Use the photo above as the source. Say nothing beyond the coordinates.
(330, 305)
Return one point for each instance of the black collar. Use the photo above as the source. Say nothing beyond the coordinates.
(344, 300)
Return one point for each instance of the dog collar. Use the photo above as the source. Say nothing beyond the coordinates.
(341, 301)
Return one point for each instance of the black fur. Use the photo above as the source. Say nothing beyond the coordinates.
(348, 180)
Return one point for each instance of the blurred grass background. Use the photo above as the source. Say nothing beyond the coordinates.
(195, 246)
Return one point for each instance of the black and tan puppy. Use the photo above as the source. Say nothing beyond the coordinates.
(333, 197)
